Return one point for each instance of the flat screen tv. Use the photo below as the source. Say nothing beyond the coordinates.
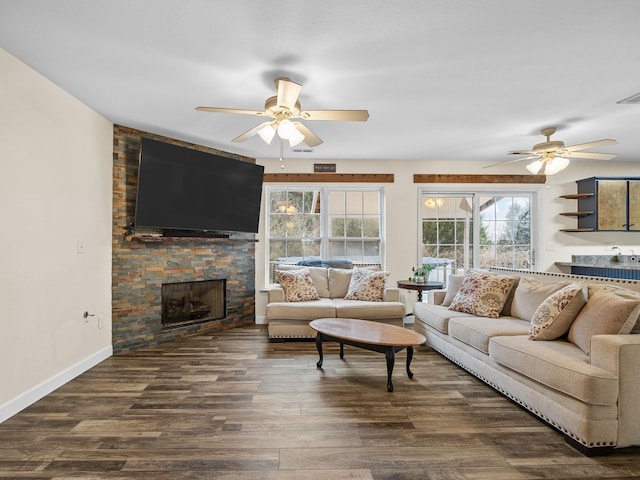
(184, 189)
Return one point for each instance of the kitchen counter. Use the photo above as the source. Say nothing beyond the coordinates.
(600, 266)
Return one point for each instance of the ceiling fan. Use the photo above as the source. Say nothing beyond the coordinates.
(282, 109)
(550, 157)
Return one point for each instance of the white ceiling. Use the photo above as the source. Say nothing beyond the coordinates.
(442, 79)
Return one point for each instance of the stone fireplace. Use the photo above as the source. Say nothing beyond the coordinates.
(142, 265)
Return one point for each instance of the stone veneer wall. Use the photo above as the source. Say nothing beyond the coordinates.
(140, 267)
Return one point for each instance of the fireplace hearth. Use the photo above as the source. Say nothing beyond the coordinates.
(193, 302)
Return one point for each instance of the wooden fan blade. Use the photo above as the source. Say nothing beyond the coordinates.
(229, 110)
(511, 161)
(250, 133)
(310, 138)
(288, 92)
(592, 155)
(337, 115)
(597, 143)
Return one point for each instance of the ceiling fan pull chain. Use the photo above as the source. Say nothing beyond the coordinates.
(281, 150)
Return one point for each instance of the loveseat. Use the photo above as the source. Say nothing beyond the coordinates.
(307, 293)
(565, 347)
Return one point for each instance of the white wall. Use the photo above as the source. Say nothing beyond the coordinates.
(401, 251)
(55, 189)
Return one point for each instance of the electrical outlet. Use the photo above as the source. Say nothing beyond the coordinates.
(550, 246)
(81, 246)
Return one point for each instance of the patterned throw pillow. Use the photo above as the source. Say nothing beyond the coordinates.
(366, 285)
(482, 294)
(553, 318)
(606, 313)
(298, 285)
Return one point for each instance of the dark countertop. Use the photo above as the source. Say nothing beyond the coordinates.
(597, 261)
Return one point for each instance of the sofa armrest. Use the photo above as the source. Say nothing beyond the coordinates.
(275, 293)
(620, 355)
(391, 294)
(436, 297)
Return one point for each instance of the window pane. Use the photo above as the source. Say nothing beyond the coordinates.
(371, 227)
(353, 227)
(337, 226)
(336, 249)
(446, 231)
(336, 202)
(371, 203)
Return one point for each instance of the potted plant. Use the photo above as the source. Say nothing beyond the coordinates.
(421, 273)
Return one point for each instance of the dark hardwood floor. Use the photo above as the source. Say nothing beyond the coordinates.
(234, 406)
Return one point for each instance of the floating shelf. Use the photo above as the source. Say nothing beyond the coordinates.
(577, 230)
(576, 196)
(576, 214)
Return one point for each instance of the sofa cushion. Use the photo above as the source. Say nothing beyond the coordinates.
(482, 294)
(366, 285)
(477, 331)
(557, 364)
(437, 316)
(319, 275)
(606, 313)
(453, 285)
(298, 285)
(529, 295)
(553, 318)
(366, 310)
(301, 310)
(339, 280)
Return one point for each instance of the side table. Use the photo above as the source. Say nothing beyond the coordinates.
(420, 287)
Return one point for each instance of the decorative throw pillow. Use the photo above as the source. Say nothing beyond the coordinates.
(366, 285)
(298, 285)
(621, 292)
(482, 294)
(453, 285)
(529, 295)
(553, 318)
(606, 313)
(318, 275)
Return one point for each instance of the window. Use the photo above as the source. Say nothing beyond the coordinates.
(475, 230)
(322, 223)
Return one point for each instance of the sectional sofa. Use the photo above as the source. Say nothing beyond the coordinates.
(565, 347)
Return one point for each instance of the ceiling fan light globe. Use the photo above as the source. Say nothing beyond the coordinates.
(267, 133)
(296, 138)
(286, 129)
(535, 167)
(554, 165)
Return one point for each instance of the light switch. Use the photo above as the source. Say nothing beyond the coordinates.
(80, 246)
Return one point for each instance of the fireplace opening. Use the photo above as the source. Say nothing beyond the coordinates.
(193, 302)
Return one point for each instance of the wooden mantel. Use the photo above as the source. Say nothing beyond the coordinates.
(329, 177)
(469, 178)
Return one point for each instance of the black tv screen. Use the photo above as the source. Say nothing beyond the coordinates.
(184, 189)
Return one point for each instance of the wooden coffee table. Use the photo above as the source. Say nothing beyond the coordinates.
(374, 336)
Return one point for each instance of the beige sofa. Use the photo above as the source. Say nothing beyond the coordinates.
(290, 319)
(591, 398)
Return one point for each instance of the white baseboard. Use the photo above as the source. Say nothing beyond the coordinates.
(22, 401)
(262, 320)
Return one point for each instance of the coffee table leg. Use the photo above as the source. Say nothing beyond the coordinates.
(341, 350)
(319, 347)
(391, 359)
(409, 357)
